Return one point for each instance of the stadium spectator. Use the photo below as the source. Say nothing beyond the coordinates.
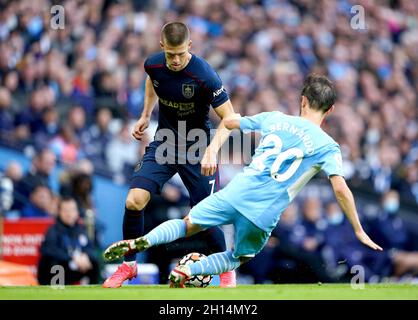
(77, 121)
(409, 185)
(66, 244)
(48, 129)
(342, 249)
(77, 182)
(300, 244)
(43, 163)
(122, 152)
(135, 93)
(31, 116)
(11, 82)
(6, 115)
(82, 166)
(312, 226)
(388, 227)
(288, 237)
(65, 145)
(97, 138)
(14, 172)
(41, 203)
(81, 191)
(6, 194)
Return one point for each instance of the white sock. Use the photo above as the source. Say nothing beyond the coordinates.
(130, 263)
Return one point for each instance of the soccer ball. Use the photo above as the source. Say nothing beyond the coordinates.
(197, 281)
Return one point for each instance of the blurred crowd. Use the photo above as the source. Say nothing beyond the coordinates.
(71, 95)
(75, 90)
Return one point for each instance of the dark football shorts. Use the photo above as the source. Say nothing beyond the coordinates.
(151, 175)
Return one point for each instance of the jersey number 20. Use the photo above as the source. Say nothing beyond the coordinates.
(297, 153)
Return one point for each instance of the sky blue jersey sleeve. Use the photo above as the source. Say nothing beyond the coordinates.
(253, 123)
(333, 163)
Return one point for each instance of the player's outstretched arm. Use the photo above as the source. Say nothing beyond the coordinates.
(346, 200)
(209, 162)
(232, 121)
(149, 103)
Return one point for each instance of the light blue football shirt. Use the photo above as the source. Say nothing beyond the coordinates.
(291, 151)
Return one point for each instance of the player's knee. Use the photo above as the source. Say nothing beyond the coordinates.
(191, 228)
(137, 199)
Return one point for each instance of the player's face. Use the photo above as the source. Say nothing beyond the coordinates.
(177, 57)
(68, 213)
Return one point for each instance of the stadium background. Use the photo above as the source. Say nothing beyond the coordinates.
(76, 91)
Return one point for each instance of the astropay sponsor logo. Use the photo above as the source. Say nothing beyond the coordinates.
(218, 92)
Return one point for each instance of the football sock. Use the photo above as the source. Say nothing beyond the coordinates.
(216, 263)
(167, 232)
(133, 227)
(130, 263)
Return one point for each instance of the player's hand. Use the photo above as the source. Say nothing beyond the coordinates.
(78, 260)
(140, 126)
(209, 163)
(364, 238)
(84, 263)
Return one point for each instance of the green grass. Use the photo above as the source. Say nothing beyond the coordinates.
(242, 292)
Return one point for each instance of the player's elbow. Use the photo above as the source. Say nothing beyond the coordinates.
(229, 123)
(340, 191)
(232, 121)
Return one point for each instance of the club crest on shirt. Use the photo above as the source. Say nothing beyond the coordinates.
(188, 90)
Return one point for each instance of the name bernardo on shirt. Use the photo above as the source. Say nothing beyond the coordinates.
(296, 131)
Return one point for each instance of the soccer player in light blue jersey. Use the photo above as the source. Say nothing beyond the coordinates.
(291, 151)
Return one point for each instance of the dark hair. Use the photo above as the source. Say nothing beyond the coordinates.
(41, 153)
(79, 183)
(320, 92)
(175, 33)
(65, 199)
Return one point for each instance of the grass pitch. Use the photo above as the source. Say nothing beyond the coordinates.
(242, 292)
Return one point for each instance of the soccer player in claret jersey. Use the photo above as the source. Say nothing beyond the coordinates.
(291, 151)
(186, 87)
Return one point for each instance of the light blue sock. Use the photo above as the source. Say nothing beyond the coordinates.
(167, 232)
(216, 263)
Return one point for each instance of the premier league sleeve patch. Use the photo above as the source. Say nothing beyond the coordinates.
(138, 166)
